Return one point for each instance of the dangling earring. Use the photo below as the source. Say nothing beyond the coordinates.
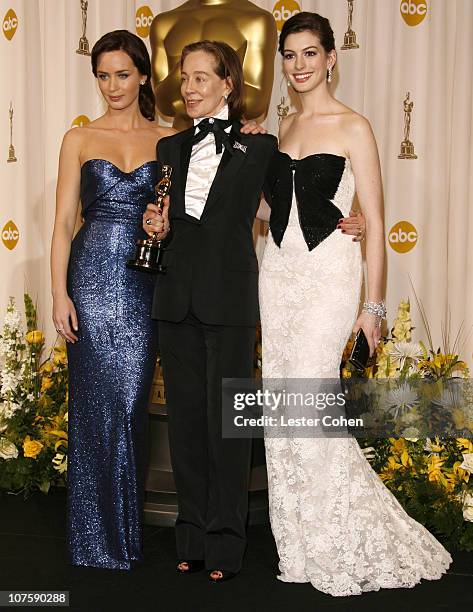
(329, 76)
(283, 108)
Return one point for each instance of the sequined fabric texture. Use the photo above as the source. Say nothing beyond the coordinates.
(316, 180)
(110, 368)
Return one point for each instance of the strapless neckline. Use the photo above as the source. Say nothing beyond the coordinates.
(107, 161)
(293, 159)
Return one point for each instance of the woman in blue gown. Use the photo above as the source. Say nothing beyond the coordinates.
(102, 309)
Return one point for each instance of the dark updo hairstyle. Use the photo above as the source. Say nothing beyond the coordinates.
(135, 48)
(227, 65)
(308, 22)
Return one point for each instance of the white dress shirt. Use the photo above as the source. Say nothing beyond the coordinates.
(203, 165)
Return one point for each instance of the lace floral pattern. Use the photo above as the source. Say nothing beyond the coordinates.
(334, 522)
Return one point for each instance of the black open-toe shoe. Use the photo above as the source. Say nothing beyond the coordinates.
(196, 565)
(224, 575)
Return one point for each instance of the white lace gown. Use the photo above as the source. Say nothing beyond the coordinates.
(335, 523)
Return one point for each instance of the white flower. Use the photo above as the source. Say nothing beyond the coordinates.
(401, 400)
(433, 447)
(400, 351)
(60, 462)
(467, 462)
(3, 418)
(7, 449)
(411, 434)
(369, 452)
(468, 506)
(8, 409)
(451, 397)
(410, 417)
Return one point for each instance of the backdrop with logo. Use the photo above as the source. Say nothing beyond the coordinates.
(422, 48)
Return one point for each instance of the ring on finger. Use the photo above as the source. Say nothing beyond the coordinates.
(149, 221)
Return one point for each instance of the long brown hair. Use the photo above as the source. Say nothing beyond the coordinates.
(134, 47)
(227, 66)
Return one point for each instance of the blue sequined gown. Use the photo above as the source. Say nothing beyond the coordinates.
(110, 368)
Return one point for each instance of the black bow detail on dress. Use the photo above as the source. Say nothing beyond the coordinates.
(217, 127)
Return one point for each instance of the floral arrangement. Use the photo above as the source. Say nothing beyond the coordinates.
(431, 477)
(33, 406)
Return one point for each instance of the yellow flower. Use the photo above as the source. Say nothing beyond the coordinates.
(46, 384)
(402, 331)
(59, 433)
(31, 448)
(405, 459)
(60, 358)
(435, 474)
(397, 445)
(393, 464)
(460, 472)
(35, 337)
(465, 444)
(47, 367)
(434, 446)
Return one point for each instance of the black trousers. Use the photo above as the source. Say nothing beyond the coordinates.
(211, 473)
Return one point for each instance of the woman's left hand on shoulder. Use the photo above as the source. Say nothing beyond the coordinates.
(251, 127)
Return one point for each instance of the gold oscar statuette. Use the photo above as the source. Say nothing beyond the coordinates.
(250, 30)
(349, 39)
(149, 252)
(83, 48)
(407, 147)
(11, 148)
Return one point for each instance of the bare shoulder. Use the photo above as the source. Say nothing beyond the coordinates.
(286, 123)
(355, 125)
(74, 139)
(161, 131)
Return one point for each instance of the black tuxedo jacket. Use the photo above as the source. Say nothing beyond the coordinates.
(211, 264)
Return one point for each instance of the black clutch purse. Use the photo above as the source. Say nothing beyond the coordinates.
(360, 351)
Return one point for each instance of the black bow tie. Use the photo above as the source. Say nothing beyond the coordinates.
(217, 127)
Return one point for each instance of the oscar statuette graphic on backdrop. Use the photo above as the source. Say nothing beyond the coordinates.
(349, 39)
(83, 48)
(11, 148)
(407, 147)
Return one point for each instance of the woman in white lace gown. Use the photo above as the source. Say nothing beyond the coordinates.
(335, 523)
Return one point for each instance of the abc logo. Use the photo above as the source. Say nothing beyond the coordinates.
(10, 24)
(80, 121)
(283, 9)
(403, 237)
(143, 18)
(413, 11)
(10, 235)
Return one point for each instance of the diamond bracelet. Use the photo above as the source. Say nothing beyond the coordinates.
(376, 308)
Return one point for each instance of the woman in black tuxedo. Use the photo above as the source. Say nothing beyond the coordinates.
(207, 303)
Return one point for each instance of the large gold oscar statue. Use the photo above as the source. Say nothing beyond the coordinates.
(250, 30)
